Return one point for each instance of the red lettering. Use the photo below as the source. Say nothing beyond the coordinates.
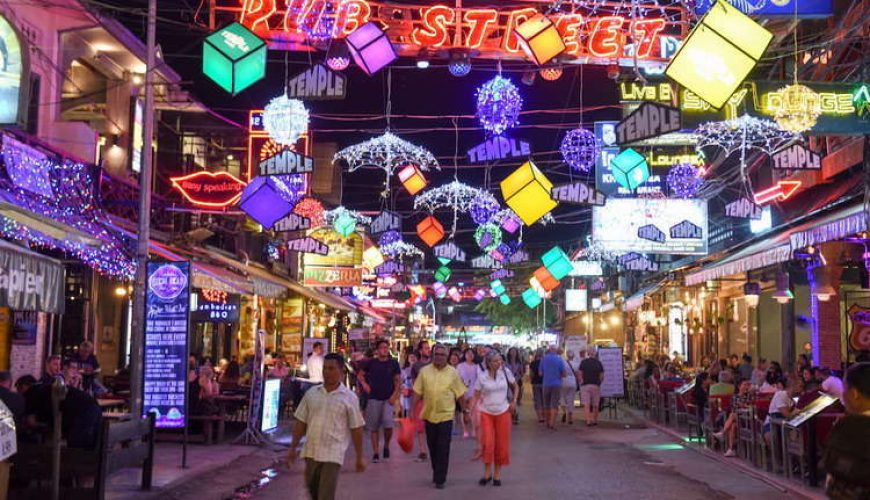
(255, 12)
(510, 43)
(569, 27)
(351, 15)
(607, 39)
(480, 21)
(645, 32)
(433, 32)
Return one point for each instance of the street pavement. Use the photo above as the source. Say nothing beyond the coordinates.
(618, 459)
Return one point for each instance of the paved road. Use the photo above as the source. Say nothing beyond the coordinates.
(607, 462)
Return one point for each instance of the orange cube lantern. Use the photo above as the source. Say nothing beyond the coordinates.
(412, 178)
(547, 281)
(540, 39)
(430, 231)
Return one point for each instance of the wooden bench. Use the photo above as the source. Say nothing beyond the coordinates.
(211, 425)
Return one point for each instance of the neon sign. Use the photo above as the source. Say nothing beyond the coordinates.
(209, 189)
(602, 36)
(783, 190)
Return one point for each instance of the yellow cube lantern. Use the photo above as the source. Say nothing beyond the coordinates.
(527, 192)
(719, 53)
(372, 258)
(412, 178)
(430, 231)
(540, 39)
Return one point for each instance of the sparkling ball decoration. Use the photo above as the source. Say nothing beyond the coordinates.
(459, 68)
(311, 208)
(684, 180)
(285, 120)
(579, 149)
(320, 27)
(482, 210)
(488, 237)
(337, 56)
(551, 74)
(798, 108)
(389, 237)
(498, 105)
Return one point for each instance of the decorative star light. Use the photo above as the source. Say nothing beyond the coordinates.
(498, 105)
(399, 249)
(684, 180)
(329, 216)
(285, 119)
(742, 134)
(387, 152)
(579, 149)
(455, 195)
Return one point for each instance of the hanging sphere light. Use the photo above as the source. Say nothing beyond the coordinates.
(285, 120)
(459, 65)
(337, 56)
(498, 105)
(579, 149)
(798, 108)
(389, 237)
(551, 73)
(684, 180)
(482, 210)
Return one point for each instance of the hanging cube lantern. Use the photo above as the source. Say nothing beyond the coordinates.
(480, 294)
(511, 223)
(440, 289)
(234, 58)
(630, 169)
(344, 225)
(430, 231)
(557, 262)
(412, 178)
(372, 258)
(371, 48)
(497, 286)
(547, 280)
(501, 252)
(504, 299)
(719, 53)
(443, 273)
(540, 39)
(454, 294)
(531, 298)
(266, 200)
(537, 286)
(527, 192)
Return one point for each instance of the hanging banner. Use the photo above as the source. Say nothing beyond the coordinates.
(307, 245)
(648, 120)
(29, 282)
(333, 276)
(499, 148)
(286, 162)
(386, 221)
(796, 157)
(317, 83)
(167, 306)
(577, 193)
(449, 251)
(615, 226)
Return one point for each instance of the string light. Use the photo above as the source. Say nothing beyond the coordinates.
(311, 208)
(498, 105)
(798, 109)
(579, 149)
(459, 65)
(387, 152)
(455, 195)
(330, 216)
(684, 180)
(337, 56)
(285, 119)
(742, 134)
(482, 209)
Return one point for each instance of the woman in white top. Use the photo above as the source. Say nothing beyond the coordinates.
(468, 371)
(495, 393)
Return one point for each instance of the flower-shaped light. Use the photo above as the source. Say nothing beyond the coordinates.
(551, 73)
(498, 105)
(684, 180)
(285, 120)
(311, 208)
(579, 149)
(798, 108)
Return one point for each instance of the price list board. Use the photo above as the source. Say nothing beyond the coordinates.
(167, 315)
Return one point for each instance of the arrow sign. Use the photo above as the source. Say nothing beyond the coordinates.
(649, 120)
(782, 191)
(578, 193)
(308, 245)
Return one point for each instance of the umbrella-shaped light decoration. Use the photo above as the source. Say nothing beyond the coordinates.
(388, 153)
(399, 249)
(454, 195)
(743, 134)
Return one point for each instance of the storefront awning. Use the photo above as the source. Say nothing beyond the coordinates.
(835, 226)
(635, 301)
(762, 254)
(30, 281)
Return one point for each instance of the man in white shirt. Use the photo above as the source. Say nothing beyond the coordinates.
(329, 417)
(831, 384)
(314, 364)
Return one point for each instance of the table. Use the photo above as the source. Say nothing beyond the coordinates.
(111, 403)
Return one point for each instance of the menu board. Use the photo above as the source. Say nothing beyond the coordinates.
(271, 404)
(811, 410)
(613, 385)
(167, 311)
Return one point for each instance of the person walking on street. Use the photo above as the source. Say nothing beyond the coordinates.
(517, 367)
(468, 372)
(590, 375)
(496, 393)
(381, 380)
(847, 454)
(569, 390)
(329, 417)
(440, 388)
(552, 371)
(424, 357)
(537, 385)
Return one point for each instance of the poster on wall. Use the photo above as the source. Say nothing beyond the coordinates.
(576, 344)
(624, 224)
(614, 372)
(167, 306)
(11, 73)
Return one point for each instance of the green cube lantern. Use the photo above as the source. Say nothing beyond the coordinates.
(504, 299)
(497, 287)
(344, 225)
(234, 58)
(557, 262)
(443, 273)
(630, 169)
(531, 298)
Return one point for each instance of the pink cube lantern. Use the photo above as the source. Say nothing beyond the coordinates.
(371, 48)
(510, 223)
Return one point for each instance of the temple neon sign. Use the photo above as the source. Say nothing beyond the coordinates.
(602, 36)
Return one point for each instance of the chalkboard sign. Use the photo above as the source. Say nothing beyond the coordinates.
(613, 385)
(167, 311)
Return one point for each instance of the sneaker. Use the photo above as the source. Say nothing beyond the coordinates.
(386, 453)
(376, 458)
(439, 486)
(719, 436)
(421, 457)
(730, 453)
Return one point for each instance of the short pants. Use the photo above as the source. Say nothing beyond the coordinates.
(379, 414)
(590, 395)
(552, 395)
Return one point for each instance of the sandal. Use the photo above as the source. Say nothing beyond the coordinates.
(484, 480)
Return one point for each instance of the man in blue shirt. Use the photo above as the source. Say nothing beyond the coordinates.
(552, 369)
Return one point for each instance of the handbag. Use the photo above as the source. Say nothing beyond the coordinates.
(510, 390)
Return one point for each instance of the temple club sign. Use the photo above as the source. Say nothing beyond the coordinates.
(796, 157)
(318, 83)
(578, 193)
(743, 209)
(286, 162)
(449, 251)
(292, 222)
(386, 221)
(308, 245)
(209, 189)
(651, 232)
(499, 148)
(649, 120)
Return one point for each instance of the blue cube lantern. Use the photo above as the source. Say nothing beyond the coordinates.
(557, 263)
(630, 169)
(267, 200)
(497, 287)
(531, 298)
(234, 58)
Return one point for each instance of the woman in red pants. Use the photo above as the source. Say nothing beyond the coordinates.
(496, 394)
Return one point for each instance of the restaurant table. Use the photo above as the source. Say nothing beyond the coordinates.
(225, 402)
(111, 403)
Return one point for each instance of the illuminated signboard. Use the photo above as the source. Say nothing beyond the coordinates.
(797, 157)
(648, 120)
(138, 135)
(575, 300)
(343, 250)
(499, 148)
(803, 9)
(262, 147)
(619, 225)
(332, 276)
(12, 66)
(317, 83)
(213, 305)
(600, 35)
(209, 189)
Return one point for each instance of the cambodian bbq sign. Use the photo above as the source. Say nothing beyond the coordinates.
(167, 313)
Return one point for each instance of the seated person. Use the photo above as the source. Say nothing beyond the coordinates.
(742, 399)
(82, 416)
(53, 369)
(781, 405)
(231, 375)
(671, 375)
(202, 392)
(279, 368)
(808, 395)
(73, 377)
(725, 385)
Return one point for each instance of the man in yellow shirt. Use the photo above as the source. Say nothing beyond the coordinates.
(441, 389)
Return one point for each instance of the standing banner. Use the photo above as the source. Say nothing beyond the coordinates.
(167, 315)
(614, 372)
(575, 344)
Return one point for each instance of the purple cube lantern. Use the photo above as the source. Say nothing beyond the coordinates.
(371, 48)
(266, 200)
(480, 294)
(501, 252)
(510, 223)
